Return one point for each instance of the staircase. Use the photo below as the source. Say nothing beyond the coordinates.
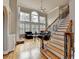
(54, 48)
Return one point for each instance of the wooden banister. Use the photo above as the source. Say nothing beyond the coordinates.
(68, 40)
(69, 29)
(68, 36)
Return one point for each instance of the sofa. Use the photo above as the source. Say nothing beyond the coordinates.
(28, 35)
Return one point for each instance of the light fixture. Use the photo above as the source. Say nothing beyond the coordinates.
(41, 8)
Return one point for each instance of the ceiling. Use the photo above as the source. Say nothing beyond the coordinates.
(35, 4)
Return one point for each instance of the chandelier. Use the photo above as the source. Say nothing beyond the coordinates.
(41, 8)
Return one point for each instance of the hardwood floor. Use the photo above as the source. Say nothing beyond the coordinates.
(29, 50)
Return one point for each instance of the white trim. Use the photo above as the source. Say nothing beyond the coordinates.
(11, 39)
(5, 52)
(11, 50)
(52, 10)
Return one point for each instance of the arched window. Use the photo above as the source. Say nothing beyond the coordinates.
(24, 16)
(34, 16)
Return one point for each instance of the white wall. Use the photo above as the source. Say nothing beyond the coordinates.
(5, 40)
(11, 26)
(5, 31)
(72, 12)
(72, 9)
(17, 27)
(52, 15)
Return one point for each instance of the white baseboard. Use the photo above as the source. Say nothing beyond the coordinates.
(11, 50)
(6, 52)
(11, 44)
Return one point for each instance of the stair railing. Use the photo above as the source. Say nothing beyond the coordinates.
(60, 18)
(54, 25)
(68, 40)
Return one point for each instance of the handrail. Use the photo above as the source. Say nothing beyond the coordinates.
(65, 13)
(52, 23)
(69, 29)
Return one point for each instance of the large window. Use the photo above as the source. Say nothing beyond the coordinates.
(21, 28)
(42, 20)
(34, 28)
(27, 27)
(43, 23)
(34, 16)
(42, 27)
(24, 25)
(24, 16)
(34, 23)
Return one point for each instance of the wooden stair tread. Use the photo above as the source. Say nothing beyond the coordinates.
(62, 30)
(56, 49)
(43, 51)
(62, 33)
(57, 46)
(62, 27)
(64, 23)
(58, 36)
(61, 43)
(53, 56)
(55, 52)
(43, 56)
(58, 40)
(49, 54)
